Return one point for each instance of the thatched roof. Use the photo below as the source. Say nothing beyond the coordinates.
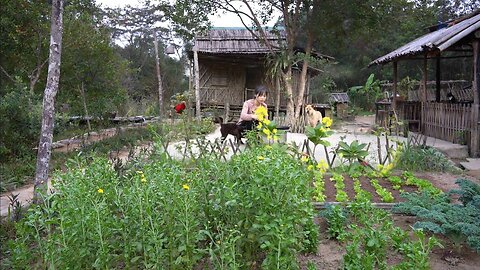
(235, 41)
(438, 40)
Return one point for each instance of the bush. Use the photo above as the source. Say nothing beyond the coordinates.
(170, 215)
(416, 158)
(459, 222)
(20, 114)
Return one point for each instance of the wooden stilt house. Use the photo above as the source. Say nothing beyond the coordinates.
(439, 117)
(229, 63)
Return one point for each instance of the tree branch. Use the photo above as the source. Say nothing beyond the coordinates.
(6, 73)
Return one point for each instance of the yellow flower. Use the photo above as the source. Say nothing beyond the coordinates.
(100, 191)
(261, 111)
(185, 186)
(139, 172)
(275, 138)
(266, 131)
(144, 180)
(266, 122)
(274, 131)
(269, 137)
(304, 159)
(310, 167)
(327, 121)
(322, 166)
(260, 158)
(259, 125)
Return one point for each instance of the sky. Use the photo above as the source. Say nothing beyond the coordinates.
(225, 20)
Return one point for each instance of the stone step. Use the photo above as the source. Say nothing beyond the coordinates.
(472, 164)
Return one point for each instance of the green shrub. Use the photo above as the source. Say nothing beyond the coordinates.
(20, 114)
(414, 158)
(438, 215)
(167, 214)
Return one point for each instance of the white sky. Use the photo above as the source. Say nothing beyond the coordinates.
(222, 20)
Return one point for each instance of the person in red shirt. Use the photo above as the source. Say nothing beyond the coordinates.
(180, 107)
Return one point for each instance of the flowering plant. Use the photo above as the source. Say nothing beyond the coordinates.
(268, 128)
(321, 131)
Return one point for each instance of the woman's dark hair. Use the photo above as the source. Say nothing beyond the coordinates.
(261, 90)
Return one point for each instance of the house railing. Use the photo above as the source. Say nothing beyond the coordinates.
(449, 122)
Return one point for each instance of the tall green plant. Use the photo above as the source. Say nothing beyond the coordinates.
(366, 95)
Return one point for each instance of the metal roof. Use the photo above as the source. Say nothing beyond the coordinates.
(339, 98)
(438, 40)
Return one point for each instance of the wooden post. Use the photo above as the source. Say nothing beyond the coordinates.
(277, 98)
(227, 112)
(395, 82)
(475, 137)
(425, 78)
(197, 82)
(438, 79)
(423, 97)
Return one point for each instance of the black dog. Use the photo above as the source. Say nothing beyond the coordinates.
(230, 128)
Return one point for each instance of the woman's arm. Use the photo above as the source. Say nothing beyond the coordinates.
(246, 114)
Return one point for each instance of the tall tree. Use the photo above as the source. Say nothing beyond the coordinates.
(296, 17)
(53, 78)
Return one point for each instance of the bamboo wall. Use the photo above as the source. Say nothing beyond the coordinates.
(449, 122)
(221, 84)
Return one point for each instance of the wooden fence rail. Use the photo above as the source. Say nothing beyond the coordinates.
(449, 122)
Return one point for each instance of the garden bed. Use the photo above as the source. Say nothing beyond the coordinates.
(331, 192)
(439, 181)
(330, 252)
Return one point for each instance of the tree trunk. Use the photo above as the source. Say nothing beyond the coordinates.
(287, 80)
(51, 88)
(159, 76)
(84, 99)
(303, 80)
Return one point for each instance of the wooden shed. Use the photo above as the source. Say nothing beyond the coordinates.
(229, 63)
(437, 117)
(340, 103)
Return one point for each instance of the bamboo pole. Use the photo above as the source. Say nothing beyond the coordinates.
(438, 78)
(197, 82)
(475, 137)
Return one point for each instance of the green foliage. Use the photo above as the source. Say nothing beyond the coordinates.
(382, 192)
(438, 215)
(167, 214)
(422, 184)
(336, 217)
(317, 134)
(354, 151)
(20, 116)
(371, 237)
(414, 158)
(366, 95)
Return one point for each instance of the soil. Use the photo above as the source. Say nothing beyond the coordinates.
(330, 252)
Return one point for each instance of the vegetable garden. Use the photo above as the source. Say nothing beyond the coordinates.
(255, 210)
